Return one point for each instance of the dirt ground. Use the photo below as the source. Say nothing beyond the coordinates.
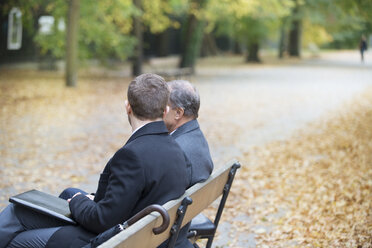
(291, 124)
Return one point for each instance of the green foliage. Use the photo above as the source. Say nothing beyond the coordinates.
(340, 22)
(247, 21)
(251, 30)
(192, 33)
(104, 27)
(157, 14)
(324, 21)
(53, 43)
(352, 19)
(29, 10)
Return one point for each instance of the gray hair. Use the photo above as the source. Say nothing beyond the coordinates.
(184, 95)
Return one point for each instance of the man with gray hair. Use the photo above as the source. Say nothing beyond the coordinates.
(184, 103)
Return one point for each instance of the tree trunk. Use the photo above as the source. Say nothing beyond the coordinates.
(209, 46)
(138, 50)
(294, 46)
(72, 42)
(253, 49)
(192, 37)
(282, 41)
(162, 48)
(237, 49)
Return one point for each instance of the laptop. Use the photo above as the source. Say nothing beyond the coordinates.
(44, 203)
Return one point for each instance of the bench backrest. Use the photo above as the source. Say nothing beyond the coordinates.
(202, 194)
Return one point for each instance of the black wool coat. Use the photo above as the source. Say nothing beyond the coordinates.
(149, 169)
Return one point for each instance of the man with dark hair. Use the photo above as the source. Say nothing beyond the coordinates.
(149, 169)
(184, 102)
(147, 97)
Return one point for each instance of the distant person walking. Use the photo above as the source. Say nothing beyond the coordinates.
(362, 46)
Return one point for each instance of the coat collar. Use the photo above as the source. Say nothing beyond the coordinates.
(185, 128)
(156, 127)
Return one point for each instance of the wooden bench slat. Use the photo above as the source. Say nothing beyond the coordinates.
(203, 194)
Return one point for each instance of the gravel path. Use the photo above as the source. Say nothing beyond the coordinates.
(252, 105)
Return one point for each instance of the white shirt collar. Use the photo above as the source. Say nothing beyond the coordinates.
(138, 129)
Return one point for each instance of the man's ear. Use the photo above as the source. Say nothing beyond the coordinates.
(179, 113)
(166, 111)
(128, 107)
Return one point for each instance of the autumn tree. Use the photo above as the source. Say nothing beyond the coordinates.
(137, 58)
(155, 16)
(318, 22)
(294, 39)
(72, 42)
(347, 21)
(248, 22)
(192, 35)
(104, 27)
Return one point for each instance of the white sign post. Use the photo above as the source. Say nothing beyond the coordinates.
(14, 29)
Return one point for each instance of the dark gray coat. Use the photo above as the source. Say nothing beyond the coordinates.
(193, 143)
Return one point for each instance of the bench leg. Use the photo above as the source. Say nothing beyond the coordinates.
(177, 225)
(209, 243)
(221, 206)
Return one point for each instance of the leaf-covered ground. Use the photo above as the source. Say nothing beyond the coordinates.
(311, 189)
(54, 137)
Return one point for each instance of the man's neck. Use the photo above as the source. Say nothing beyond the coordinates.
(137, 123)
(183, 121)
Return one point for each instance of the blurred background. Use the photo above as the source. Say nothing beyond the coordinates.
(113, 31)
(285, 88)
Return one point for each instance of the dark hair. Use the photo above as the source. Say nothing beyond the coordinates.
(184, 95)
(148, 96)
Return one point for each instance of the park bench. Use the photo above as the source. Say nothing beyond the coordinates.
(175, 73)
(179, 213)
(166, 67)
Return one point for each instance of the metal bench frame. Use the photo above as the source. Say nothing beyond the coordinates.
(194, 232)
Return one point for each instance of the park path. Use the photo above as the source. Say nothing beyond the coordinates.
(52, 137)
(245, 106)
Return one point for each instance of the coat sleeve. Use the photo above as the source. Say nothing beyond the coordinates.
(125, 185)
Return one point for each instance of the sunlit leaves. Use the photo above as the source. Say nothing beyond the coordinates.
(342, 19)
(315, 34)
(47, 140)
(246, 20)
(156, 15)
(105, 29)
(313, 190)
